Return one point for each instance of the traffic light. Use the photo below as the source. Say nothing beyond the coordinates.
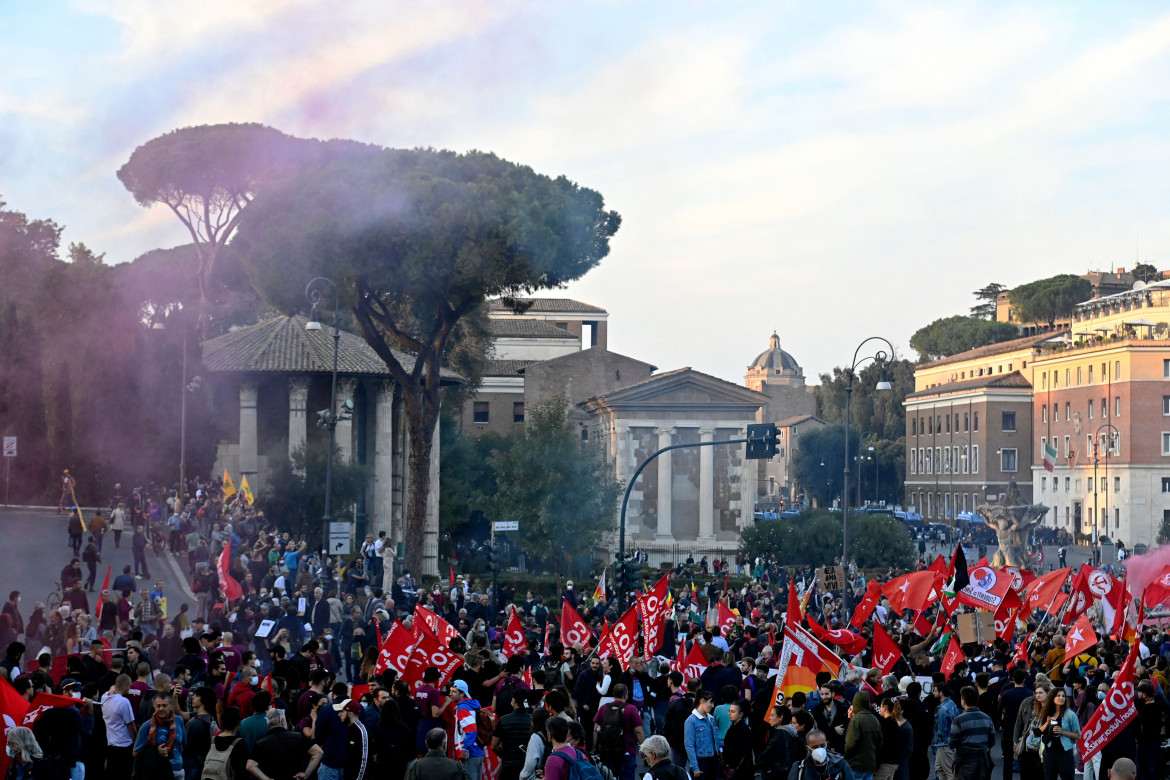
(761, 441)
(493, 562)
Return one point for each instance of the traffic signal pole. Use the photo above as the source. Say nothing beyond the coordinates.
(761, 443)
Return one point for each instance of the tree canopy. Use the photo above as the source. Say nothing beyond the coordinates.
(1045, 300)
(952, 335)
(987, 297)
(556, 486)
(1144, 272)
(416, 241)
(815, 538)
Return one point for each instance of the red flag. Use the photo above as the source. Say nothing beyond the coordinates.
(574, 630)
(1157, 592)
(395, 649)
(652, 606)
(679, 664)
(97, 612)
(1005, 622)
(451, 577)
(527, 677)
(1114, 595)
(952, 658)
(1115, 713)
(885, 651)
(695, 664)
(13, 708)
(1080, 638)
(443, 630)
(792, 614)
(869, 602)
(725, 617)
(514, 643)
(727, 581)
(922, 625)
(428, 652)
(223, 565)
(912, 591)
(623, 636)
(1080, 596)
(988, 589)
(1042, 590)
(1022, 650)
(849, 642)
(42, 702)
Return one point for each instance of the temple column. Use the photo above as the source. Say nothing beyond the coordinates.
(345, 391)
(665, 484)
(431, 538)
(380, 518)
(249, 437)
(706, 487)
(298, 401)
(749, 473)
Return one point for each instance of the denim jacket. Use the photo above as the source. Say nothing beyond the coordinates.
(943, 716)
(699, 739)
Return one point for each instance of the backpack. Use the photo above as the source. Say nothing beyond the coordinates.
(218, 763)
(579, 766)
(503, 702)
(484, 727)
(611, 740)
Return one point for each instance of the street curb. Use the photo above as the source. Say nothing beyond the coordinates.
(179, 576)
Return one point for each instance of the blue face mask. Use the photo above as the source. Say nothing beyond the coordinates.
(9, 751)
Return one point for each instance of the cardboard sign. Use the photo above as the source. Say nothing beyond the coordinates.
(831, 578)
(265, 628)
(978, 627)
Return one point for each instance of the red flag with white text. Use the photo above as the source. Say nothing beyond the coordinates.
(514, 643)
(885, 651)
(725, 617)
(952, 658)
(395, 649)
(652, 605)
(1115, 713)
(574, 630)
(622, 639)
(428, 652)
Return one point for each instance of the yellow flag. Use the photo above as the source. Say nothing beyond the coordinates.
(247, 491)
(229, 487)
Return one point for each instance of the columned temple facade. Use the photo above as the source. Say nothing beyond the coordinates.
(270, 379)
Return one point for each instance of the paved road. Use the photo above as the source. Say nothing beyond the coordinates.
(36, 548)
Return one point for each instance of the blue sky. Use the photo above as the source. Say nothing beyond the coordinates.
(829, 170)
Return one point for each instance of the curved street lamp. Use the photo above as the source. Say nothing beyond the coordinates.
(881, 358)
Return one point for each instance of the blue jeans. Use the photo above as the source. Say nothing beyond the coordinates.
(862, 775)
(328, 773)
(473, 765)
(629, 765)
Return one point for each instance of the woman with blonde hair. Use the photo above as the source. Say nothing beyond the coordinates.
(24, 750)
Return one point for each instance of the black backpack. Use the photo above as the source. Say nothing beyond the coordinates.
(503, 702)
(611, 739)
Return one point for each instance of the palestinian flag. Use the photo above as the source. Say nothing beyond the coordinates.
(957, 571)
(942, 643)
(1049, 454)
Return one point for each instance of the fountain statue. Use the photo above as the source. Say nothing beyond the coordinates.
(1013, 522)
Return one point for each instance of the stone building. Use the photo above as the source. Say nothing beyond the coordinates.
(791, 406)
(691, 501)
(266, 378)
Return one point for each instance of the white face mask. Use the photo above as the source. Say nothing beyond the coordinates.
(253, 680)
(820, 755)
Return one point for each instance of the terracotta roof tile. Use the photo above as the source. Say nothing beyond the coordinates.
(522, 327)
(550, 305)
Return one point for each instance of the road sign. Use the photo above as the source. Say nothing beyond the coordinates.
(339, 538)
(10, 446)
(506, 525)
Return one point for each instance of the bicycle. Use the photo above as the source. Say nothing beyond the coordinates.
(53, 600)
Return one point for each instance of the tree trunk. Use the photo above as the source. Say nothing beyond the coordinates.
(421, 429)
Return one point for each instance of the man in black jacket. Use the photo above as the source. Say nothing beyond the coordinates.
(677, 712)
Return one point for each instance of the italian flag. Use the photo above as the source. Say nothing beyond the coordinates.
(1049, 456)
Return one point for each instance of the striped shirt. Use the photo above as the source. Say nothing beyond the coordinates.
(971, 732)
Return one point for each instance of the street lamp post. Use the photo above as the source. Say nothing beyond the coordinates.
(1097, 486)
(313, 292)
(876, 492)
(880, 358)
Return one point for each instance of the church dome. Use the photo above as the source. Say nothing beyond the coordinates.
(774, 359)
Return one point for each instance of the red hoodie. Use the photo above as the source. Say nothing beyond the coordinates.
(241, 696)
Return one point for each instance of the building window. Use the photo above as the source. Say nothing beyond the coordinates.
(1117, 371)
(1117, 407)
(1166, 406)
(948, 423)
(1090, 373)
(1078, 376)
(1007, 460)
(1166, 443)
(1104, 372)
(1044, 413)
(1067, 484)
(1009, 421)
(1043, 484)
(975, 422)
(1056, 413)
(1104, 410)
(1117, 484)
(1043, 445)
(584, 434)
(1068, 410)
(1067, 448)
(930, 421)
(1056, 484)
(518, 412)
(1166, 484)
(914, 426)
(966, 421)
(1055, 379)
(1115, 443)
(1090, 408)
(975, 459)
(1166, 369)
(1044, 381)
(562, 325)
(913, 462)
(966, 458)
(1104, 485)
(1089, 444)
(1068, 377)
(480, 411)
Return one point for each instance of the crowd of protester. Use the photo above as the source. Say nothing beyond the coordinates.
(285, 682)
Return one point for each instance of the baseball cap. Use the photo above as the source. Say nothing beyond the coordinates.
(461, 685)
(348, 704)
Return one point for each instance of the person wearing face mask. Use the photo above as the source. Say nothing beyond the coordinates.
(820, 763)
(244, 688)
